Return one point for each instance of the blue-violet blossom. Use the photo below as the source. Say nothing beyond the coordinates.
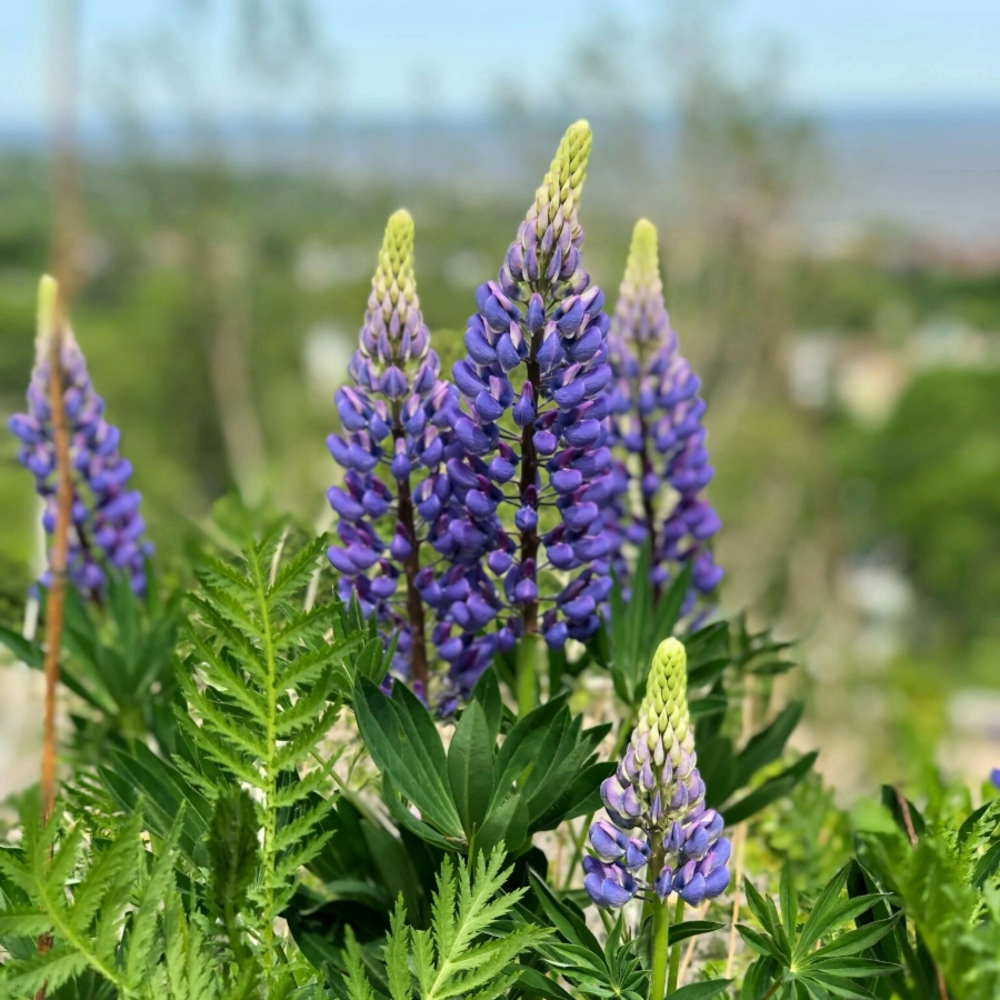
(106, 528)
(530, 440)
(657, 425)
(659, 837)
(389, 416)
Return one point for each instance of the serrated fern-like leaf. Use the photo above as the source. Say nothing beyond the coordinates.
(456, 956)
(105, 905)
(262, 685)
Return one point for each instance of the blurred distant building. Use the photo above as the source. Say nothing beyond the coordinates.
(828, 370)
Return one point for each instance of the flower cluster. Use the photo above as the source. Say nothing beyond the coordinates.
(655, 801)
(105, 523)
(531, 439)
(390, 417)
(657, 422)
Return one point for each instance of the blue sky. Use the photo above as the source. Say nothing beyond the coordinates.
(392, 56)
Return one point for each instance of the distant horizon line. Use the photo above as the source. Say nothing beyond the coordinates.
(94, 126)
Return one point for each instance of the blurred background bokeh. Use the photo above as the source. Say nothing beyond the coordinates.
(826, 181)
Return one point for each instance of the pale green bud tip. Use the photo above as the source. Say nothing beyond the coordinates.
(667, 684)
(563, 183)
(48, 294)
(394, 274)
(643, 269)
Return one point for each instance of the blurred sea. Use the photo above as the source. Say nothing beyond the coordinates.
(935, 173)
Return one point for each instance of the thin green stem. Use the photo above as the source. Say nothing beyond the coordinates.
(660, 945)
(675, 953)
(527, 673)
(270, 782)
(581, 839)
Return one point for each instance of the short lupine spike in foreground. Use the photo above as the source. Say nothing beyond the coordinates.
(658, 838)
(657, 421)
(106, 528)
(537, 346)
(390, 417)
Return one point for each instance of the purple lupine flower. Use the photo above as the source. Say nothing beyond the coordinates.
(390, 449)
(529, 472)
(657, 426)
(655, 801)
(106, 528)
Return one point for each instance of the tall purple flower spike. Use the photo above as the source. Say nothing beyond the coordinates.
(106, 528)
(390, 417)
(656, 422)
(529, 473)
(658, 837)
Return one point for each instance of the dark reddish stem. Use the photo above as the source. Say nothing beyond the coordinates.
(411, 567)
(648, 511)
(529, 479)
(56, 595)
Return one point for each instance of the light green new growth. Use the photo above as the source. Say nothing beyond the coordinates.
(643, 268)
(394, 277)
(563, 184)
(456, 957)
(664, 718)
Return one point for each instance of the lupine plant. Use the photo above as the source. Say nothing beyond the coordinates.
(319, 776)
(107, 529)
(390, 416)
(657, 424)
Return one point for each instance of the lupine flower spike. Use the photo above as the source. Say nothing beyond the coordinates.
(106, 528)
(390, 439)
(656, 421)
(537, 347)
(658, 837)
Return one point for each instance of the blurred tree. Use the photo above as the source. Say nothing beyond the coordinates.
(934, 470)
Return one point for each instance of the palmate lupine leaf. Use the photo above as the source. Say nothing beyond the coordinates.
(110, 908)
(463, 953)
(818, 957)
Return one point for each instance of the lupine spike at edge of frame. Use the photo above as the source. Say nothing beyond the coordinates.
(657, 421)
(390, 417)
(534, 395)
(659, 837)
(106, 527)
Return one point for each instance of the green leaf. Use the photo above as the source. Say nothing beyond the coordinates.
(470, 767)
(767, 745)
(772, 790)
(26, 651)
(701, 991)
(789, 903)
(853, 941)
(233, 849)
(507, 825)
(693, 928)
(405, 744)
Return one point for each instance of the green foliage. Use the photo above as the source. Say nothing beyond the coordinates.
(110, 909)
(118, 661)
(724, 655)
(933, 472)
(636, 628)
(481, 791)
(948, 886)
(615, 969)
(263, 683)
(813, 957)
(463, 953)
